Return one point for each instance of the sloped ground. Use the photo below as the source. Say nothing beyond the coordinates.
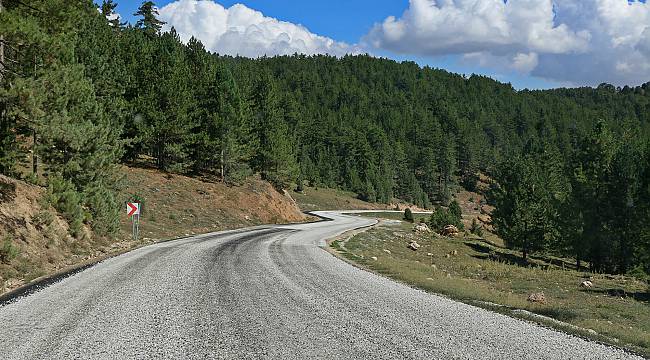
(318, 198)
(34, 239)
(616, 308)
(175, 205)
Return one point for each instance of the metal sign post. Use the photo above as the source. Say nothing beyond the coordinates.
(133, 211)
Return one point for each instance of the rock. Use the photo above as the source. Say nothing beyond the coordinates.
(413, 245)
(387, 251)
(429, 254)
(586, 284)
(430, 279)
(434, 267)
(453, 253)
(538, 298)
(485, 219)
(447, 256)
(374, 258)
(450, 230)
(422, 227)
(592, 332)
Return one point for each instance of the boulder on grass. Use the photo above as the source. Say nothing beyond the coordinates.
(450, 230)
(538, 298)
(413, 245)
(586, 284)
(421, 227)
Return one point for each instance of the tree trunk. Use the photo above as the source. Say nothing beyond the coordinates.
(223, 166)
(2, 51)
(34, 153)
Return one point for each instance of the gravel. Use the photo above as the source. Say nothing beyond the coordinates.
(267, 292)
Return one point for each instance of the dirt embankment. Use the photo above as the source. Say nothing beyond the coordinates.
(175, 205)
(35, 239)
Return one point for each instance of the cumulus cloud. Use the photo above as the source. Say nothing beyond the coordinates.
(581, 42)
(112, 16)
(239, 30)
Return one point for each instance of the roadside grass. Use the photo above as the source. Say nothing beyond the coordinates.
(319, 198)
(396, 216)
(617, 308)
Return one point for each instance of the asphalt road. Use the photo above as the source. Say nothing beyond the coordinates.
(267, 292)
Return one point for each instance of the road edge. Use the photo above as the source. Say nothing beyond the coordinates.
(68, 271)
(519, 314)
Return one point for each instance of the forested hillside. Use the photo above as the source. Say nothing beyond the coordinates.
(81, 93)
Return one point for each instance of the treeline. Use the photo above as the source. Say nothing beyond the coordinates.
(81, 93)
(592, 204)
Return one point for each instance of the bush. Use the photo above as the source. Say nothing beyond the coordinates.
(469, 181)
(408, 215)
(104, 209)
(442, 217)
(7, 191)
(454, 209)
(476, 229)
(63, 196)
(8, 251)
(639, 273)
(367, 193)
(43, 218)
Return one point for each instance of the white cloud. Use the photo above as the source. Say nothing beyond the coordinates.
(115, 15)
(239, 30)
(577, 41)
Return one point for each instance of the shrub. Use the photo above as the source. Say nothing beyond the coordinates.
(63, 196)
(408, 215)
(442, 217)
(43, 218)
(639, 273)
(454, 209)
(475, 228)
(469, 181)
(104, 209)
(7, 191)
(8, 251)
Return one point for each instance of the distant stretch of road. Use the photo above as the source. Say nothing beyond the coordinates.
(262, 293)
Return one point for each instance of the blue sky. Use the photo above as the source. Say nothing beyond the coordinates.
(550, 64)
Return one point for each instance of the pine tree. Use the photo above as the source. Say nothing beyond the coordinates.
(590, 181)
(149, 22)
(276, 159)
(165, 104)
(408, 215)
(524, 213)
(108, 11)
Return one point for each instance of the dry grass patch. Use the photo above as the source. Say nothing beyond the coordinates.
(474, 271)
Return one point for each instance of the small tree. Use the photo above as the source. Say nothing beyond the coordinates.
(408, 215)
(455, 211)
(149, 21)
(442, 217)
(475, 228)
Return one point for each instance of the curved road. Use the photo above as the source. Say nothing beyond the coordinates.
(265, 292)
